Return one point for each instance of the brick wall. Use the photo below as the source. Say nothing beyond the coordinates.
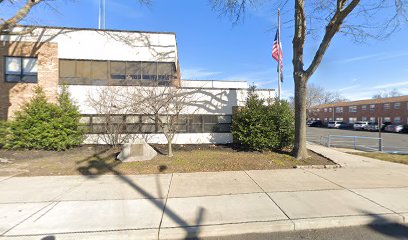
(15, 95)
(378, 111)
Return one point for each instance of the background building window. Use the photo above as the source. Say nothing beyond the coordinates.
(339, 119)
(397, 120)
(397, 105)
(330, 109)
(339, 109)
(20, 69)
(387, 119)
(363, 118)
(352, 120)
(372, 107)
(364, 107)
(372, 119)
(325, 109)
(353, 109)
(386, 106)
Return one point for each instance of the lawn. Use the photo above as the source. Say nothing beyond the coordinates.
(95, 160)
(397, 158)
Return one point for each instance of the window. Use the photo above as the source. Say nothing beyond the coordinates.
(352, 120)
(364, 107)
(387, 119)
(325, 119)
(397, 120)
(386, 106)
(339, 119)
(325, 109)
(20, 69)
(330, 109)
(93, 72)
(339, 109)
(372, 107)
(363, 118)
(330, 119)
(353, 109)
(397, 105)
(372, 119)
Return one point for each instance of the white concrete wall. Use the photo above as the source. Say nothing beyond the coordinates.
(202, 101)
(214, 84)
(105, 45)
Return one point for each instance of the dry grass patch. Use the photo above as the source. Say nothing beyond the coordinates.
(96, 160)
(397, 158)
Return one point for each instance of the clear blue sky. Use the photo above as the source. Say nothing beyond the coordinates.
(210, 47)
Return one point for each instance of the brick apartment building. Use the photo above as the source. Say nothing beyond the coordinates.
(393, 109)
(87, 60)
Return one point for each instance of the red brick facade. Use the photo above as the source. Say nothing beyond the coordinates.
(15, 95)
(389, 109)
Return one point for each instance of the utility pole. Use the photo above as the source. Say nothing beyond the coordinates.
(102, 13)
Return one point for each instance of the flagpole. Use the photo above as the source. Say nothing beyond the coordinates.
(279, 61)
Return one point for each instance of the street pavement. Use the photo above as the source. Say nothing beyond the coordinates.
(371, 232)
(391, 141)
(363, 191)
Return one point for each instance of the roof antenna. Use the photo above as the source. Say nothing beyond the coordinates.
(102, 12)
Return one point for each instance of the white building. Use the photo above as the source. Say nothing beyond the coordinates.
(88, 60)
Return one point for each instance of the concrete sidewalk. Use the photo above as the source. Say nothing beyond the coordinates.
(174, 206)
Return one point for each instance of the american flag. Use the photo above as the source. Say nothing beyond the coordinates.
(277, 51)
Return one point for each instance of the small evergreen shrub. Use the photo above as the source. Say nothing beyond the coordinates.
(4, 131)
(44, 125)
(260, 127)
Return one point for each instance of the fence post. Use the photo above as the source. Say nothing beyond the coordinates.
(329, 141)
(380, 144)
(355, 145)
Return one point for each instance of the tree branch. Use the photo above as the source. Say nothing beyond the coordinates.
(331, 29)
(22, 13)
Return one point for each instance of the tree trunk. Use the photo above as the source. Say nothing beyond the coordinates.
(300, 150)
(170, 147)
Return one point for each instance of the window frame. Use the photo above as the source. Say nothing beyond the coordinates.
(22, 73)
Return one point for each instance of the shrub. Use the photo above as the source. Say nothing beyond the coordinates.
(44, 125)
(4, 131)
(261, 127)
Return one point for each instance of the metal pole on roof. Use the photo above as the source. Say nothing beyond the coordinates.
(102, 13)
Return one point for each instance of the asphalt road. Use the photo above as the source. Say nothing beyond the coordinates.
(374, 232)
(391, 141)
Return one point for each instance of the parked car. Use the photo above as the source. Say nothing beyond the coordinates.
(316, 123)
(394, 128)
(359, 125)
(308, 122)
(345, 125)
(371, 126)
(384, 125)
(334, 124)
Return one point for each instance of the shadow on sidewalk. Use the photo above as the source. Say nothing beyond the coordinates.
(98, 166)
(386, 227)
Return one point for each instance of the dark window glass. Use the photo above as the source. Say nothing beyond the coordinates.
(133, 70)
(118, 70)
(149, 70)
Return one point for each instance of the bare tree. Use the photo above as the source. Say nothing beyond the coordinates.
(316, 95)
(109, 124)
(6, 25)
(367, 19)
(164, 105)
(387, 94)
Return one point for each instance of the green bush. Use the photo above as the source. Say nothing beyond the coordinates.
(44, 125)
(259, 127)
(4, 131)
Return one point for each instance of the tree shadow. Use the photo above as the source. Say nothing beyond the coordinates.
(386, 227)
(97, 166)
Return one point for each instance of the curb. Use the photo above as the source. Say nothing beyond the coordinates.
(279, 226)
(318, 166)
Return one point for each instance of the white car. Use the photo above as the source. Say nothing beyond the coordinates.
(334, 124)
(360, 125)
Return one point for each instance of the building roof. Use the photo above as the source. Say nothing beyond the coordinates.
(366, 101)
(93, 29)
